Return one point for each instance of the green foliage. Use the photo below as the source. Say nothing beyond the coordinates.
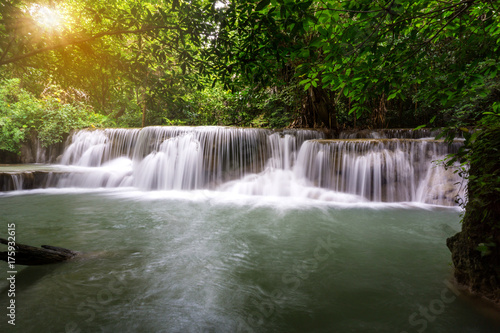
(381, 63)
(271, 108)
(49, 117)
(441, 49)
(200, 107)
(395, 61)
(479, 159)
(128, 116)
(16, 108)
(483, 154)
(126, 56)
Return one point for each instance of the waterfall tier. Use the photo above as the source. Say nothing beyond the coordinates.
(392, 133)
(180, 158)
(381, 170)
(298, 163)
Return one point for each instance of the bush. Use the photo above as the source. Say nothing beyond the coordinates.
(49, 117)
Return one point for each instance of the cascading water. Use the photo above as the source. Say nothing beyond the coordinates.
(391, 133)
(18, 182)
(200, 254)
(246, 161)
(381, 170)
(164, 158)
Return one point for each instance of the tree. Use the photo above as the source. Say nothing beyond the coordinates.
(437, 52)
(476, 249)
(124, 56)
(339, 63)
(437, 58)
(381, 58)
(383, 61)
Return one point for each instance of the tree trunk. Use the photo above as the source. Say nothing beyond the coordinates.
(476, 249)
(322, 108)
(30, 255)
(144, 114)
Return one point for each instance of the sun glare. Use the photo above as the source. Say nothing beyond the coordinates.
(47, 17)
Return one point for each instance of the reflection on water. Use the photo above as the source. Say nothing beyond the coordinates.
(203, 262)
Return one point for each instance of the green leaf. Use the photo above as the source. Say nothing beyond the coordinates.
(393, 95)
(261, 5)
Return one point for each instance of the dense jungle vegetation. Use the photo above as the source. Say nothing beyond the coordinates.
(266, 63)
(333, 64)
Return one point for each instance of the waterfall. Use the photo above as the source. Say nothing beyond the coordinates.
(17, 182)
(165, 158)
(381, 170)
(391, 166)
(392, 133)
(94, 147)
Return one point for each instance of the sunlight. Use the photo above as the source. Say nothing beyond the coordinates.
(46, 17)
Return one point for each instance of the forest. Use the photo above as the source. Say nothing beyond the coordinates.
(327, 64)
(275, 64)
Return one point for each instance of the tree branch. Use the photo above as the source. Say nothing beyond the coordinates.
(7, 48)
(81, 41)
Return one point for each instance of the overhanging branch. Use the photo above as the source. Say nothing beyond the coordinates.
(77, 41)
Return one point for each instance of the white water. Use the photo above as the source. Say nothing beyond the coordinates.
(176, 158)
(218, 229)
(246, 161)
(380, 170)
(18, 182)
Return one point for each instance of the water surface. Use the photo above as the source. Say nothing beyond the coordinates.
(202, 261)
